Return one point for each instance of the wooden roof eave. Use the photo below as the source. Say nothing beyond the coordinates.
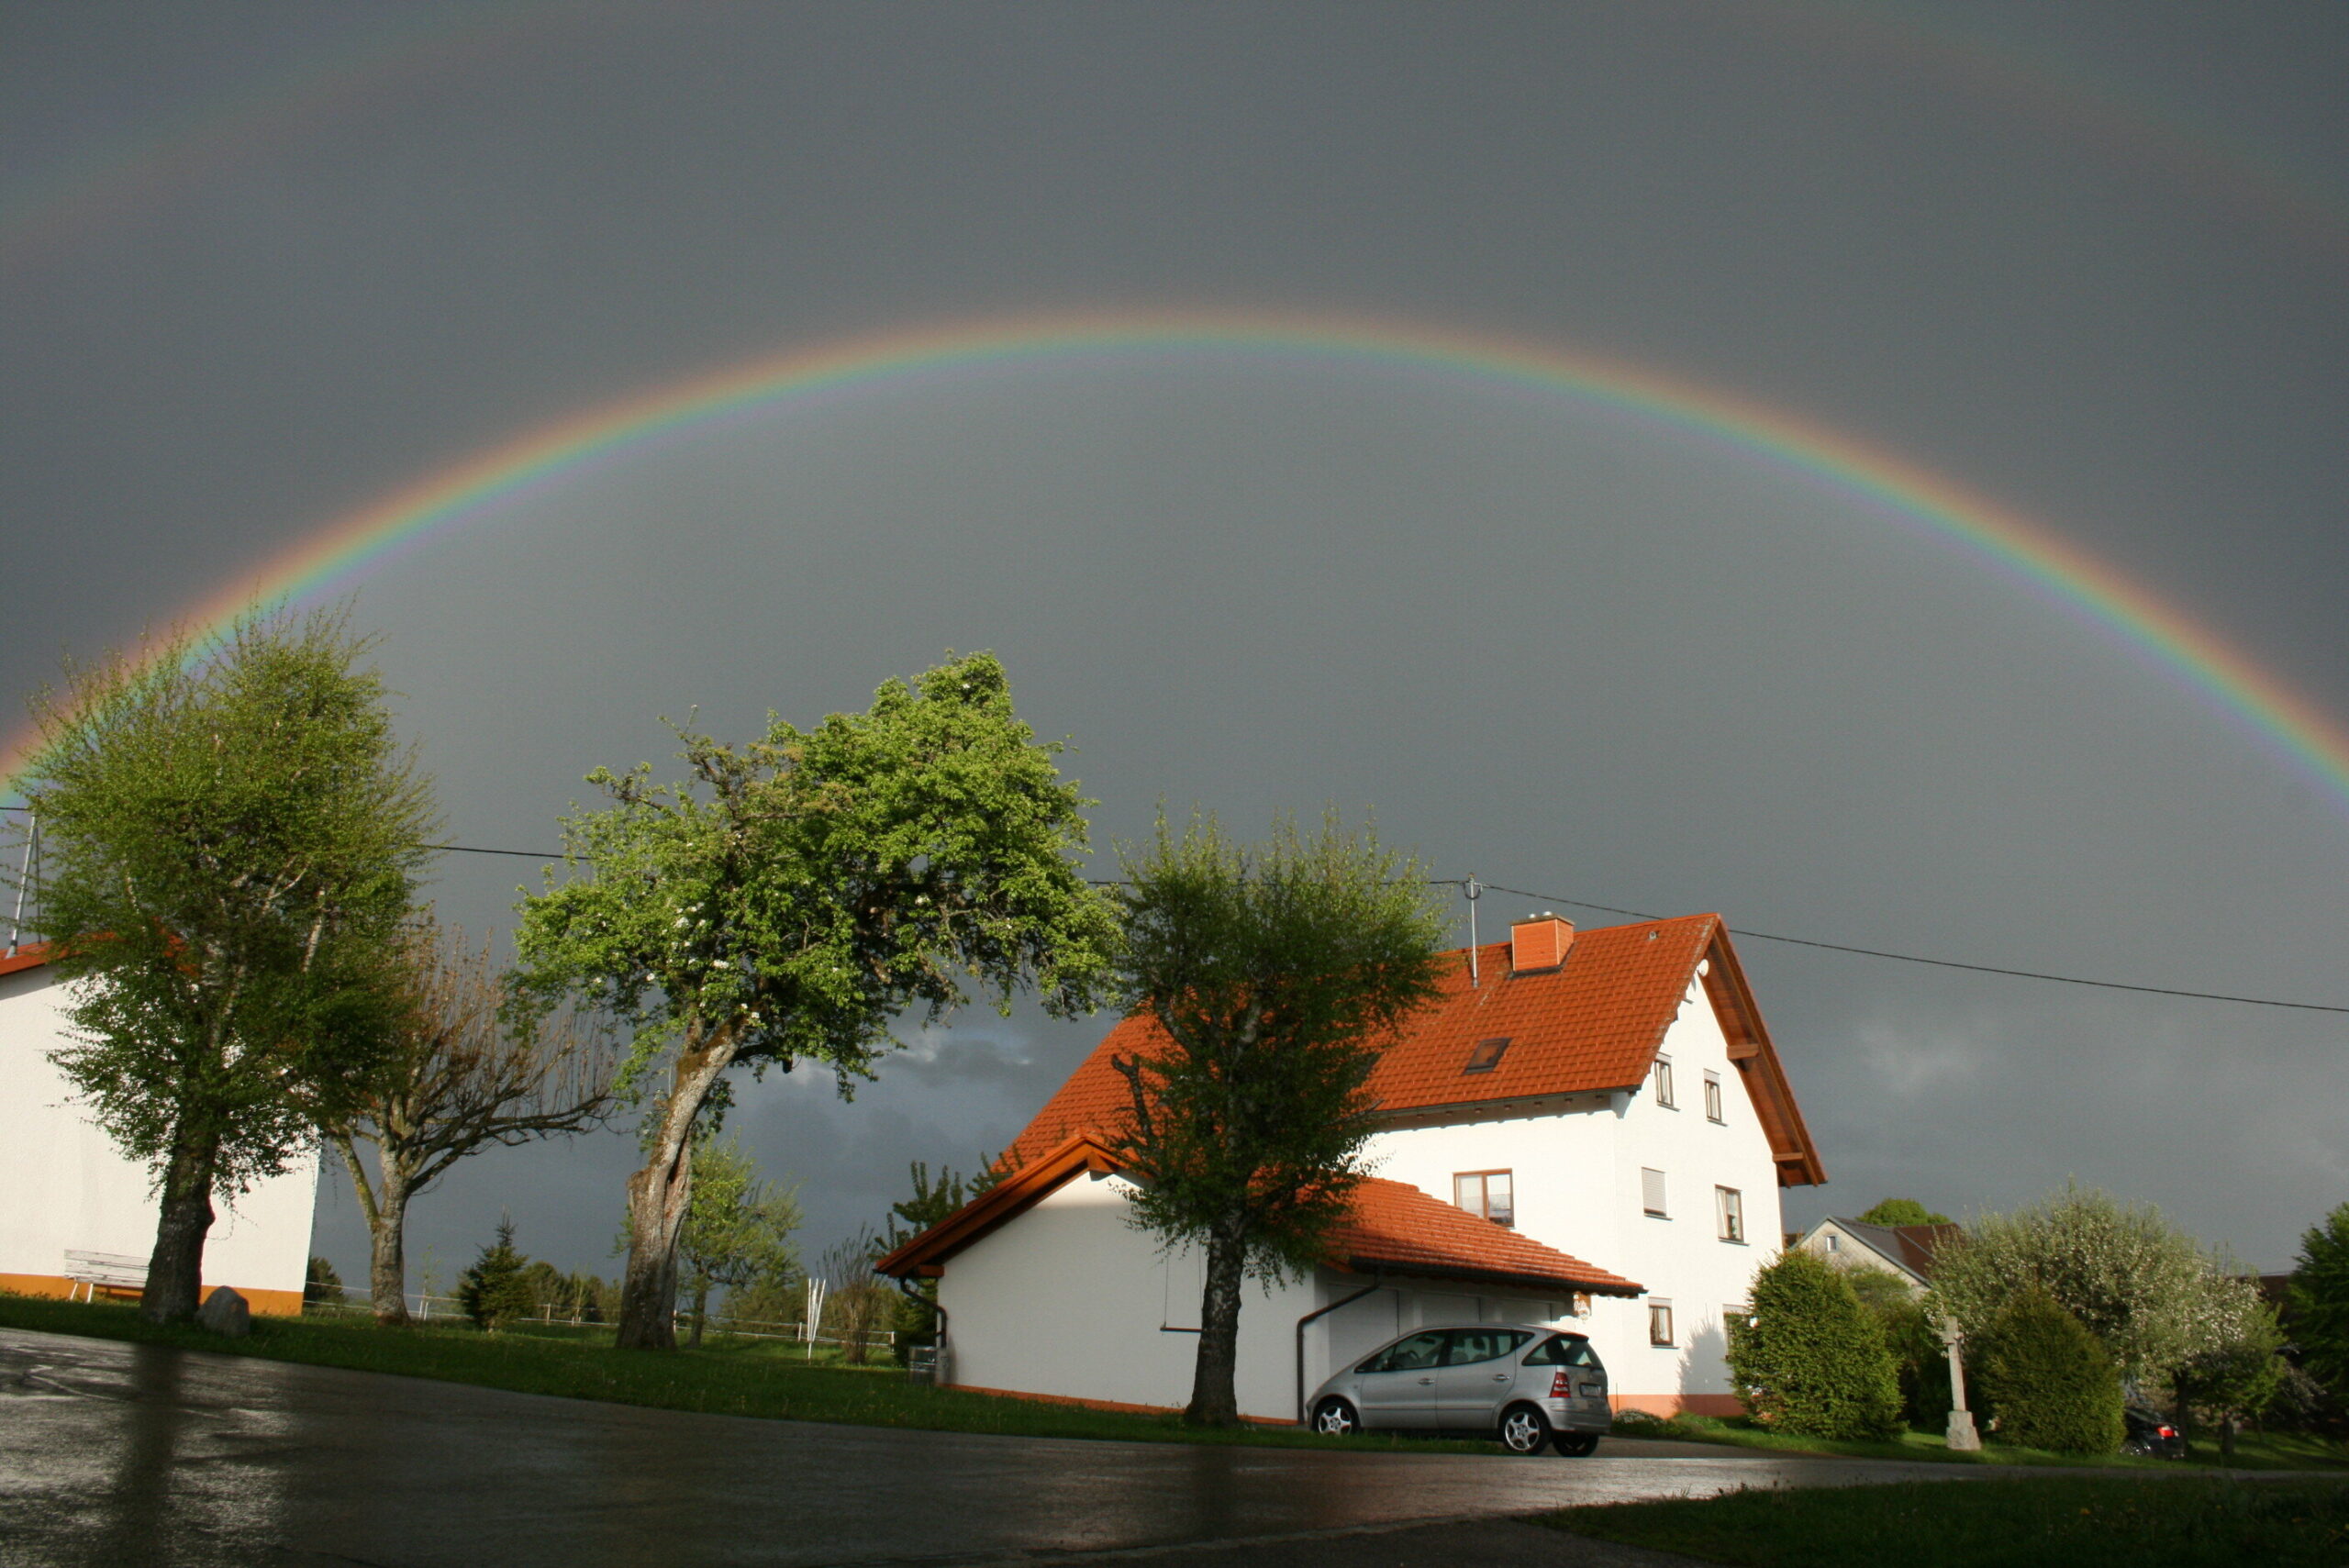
(1757, 1060)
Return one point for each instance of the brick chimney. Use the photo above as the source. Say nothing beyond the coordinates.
(1539, 943)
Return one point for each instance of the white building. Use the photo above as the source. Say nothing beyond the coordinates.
(1904, 1252)
(65, 1185)
(1610, 1096)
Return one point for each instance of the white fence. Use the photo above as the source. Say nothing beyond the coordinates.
(426, 1308)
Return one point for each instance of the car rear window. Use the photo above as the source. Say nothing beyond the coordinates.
(1562, 1351)
(1471, 1345)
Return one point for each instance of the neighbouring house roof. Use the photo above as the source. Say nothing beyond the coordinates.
(1392, 1228)
(32, 955)
(1592, 1024)
(1908, 1247)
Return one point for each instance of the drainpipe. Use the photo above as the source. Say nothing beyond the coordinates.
(1302, 1415)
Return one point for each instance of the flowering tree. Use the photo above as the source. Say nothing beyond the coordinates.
(2140, 1284)
(790, 897)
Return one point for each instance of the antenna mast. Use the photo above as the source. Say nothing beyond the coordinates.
(24, 880)
(1474, 891)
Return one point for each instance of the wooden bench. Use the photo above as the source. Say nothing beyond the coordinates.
(110, 1272)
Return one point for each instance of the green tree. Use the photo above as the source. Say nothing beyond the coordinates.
(232, 833)
(1275, 974)
(464, 1070)
(737, 1228)
(2047, 1380)
(792, 897)
(498, 1290)
(2320, 1302)
(2141, 1285)
(2240, 1363)
(1809, 1358)
(1903, 1211)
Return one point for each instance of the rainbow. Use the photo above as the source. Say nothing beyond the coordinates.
(337, 556)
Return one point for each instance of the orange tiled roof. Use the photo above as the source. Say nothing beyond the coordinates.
(1393, 1228)
(1592, 1024)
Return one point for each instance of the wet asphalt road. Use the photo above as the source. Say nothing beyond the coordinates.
(127, 1455)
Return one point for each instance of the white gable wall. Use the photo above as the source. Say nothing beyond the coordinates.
(1576, 1179)
(1682, 1259)
(66, 1185)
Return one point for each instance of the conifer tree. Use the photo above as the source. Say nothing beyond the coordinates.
(497, 1290)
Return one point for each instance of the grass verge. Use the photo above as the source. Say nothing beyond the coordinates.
(728, 1377)
(2253, 1451)
(2080, 1521)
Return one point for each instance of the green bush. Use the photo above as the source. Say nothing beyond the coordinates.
(497, 1290)
(2048, 1380)
(1811, 1359)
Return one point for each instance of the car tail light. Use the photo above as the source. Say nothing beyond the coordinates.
(2170, 1432)
(1558, 1389)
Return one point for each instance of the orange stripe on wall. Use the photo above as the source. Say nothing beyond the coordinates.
(264, 1303)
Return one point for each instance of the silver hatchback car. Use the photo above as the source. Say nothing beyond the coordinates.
(1531, 1387)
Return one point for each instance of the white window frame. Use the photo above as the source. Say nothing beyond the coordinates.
(1728, 1207)
(1713, 1097)
(1653, 1194)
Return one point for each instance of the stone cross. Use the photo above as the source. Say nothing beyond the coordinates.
(1962, 1436)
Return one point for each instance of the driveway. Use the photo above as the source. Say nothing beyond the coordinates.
(125, 1455)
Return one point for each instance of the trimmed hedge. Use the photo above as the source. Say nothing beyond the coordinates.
(1811, 1359)
(2049, 1381)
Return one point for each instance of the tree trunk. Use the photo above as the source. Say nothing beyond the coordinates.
(1214, 1399)
(175, 1268)
(701, 1309)
(387, 1268)
(657, 1197)
(386, 1231)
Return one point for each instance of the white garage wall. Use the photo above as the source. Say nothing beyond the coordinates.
(65, 1184)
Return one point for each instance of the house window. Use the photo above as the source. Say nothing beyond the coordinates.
(1663, 1081)
(1486, 1192)
(1834, 1242)
(1732, 1204)
(1712, 1096)
(1486, 1055)
(1652, 1192)
(1660, 1323)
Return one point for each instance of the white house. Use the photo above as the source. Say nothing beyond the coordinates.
(65, 1185)
(1584, 1129)
(1904, 1252)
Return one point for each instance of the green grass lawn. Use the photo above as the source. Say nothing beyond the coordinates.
(726, 1376)
(2079, 1521)
(2253, 1451)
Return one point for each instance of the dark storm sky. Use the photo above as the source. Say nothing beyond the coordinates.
(262, 264)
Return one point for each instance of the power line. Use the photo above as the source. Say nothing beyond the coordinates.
(1644, 915)
(1942, 962)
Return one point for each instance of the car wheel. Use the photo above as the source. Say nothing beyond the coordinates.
(1524, 1430)
(1577, 1445)
(1336, 1419)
